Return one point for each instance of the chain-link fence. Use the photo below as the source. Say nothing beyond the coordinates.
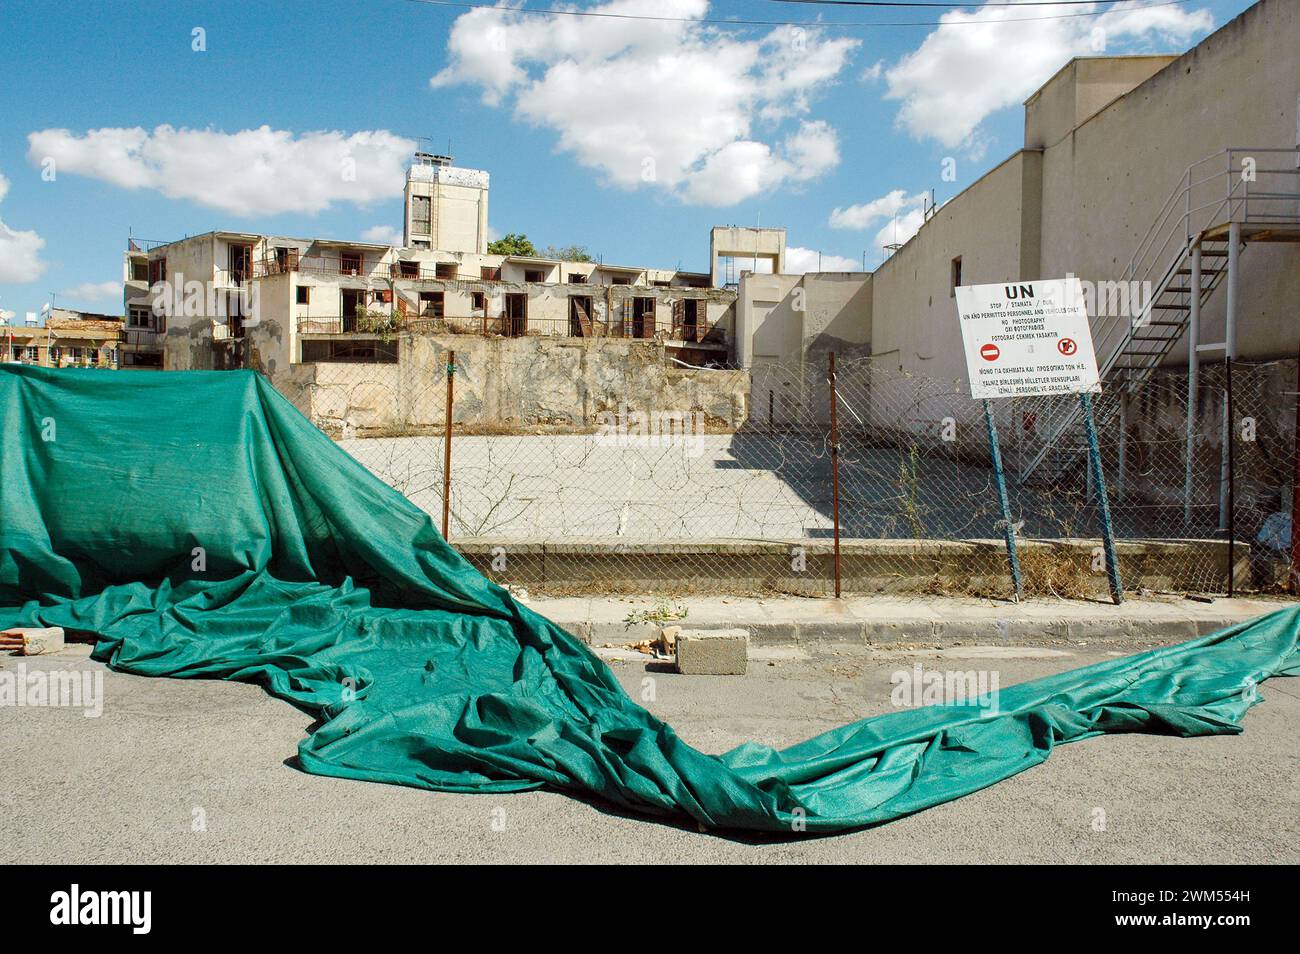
(730, 484)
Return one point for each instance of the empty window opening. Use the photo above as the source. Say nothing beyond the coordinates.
(515, 319)
(956, 276)
(286, 259)
(432, 304)
(445, 270)
(303, 293)
(241, 263)
(643, 317)
(350, 263)
(580, 316)
(362, 350)
(352, 300)
(534, 275)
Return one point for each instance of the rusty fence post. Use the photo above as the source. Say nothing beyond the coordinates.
(446, 446)
(1295, 490)
(835, 470)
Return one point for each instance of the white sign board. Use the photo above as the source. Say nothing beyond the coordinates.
(1027, 338)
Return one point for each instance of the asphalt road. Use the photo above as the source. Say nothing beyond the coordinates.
(168, 757)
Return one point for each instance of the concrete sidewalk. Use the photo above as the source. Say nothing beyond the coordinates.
(620, 621)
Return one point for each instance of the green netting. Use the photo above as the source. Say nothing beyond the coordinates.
(199, 526)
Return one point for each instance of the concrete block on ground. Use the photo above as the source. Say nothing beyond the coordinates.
(33, 641)
(712, 652)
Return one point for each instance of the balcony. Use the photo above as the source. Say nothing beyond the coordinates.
(348, 266)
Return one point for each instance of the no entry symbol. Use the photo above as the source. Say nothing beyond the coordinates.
(990, 352)
(1067, 346)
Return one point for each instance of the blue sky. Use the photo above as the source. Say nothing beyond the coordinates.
(628, 136)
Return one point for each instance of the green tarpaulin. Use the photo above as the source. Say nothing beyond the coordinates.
(199, 526)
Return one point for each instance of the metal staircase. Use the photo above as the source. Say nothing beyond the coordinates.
(1252, 193)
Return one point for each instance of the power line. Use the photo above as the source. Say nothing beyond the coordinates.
(932, 3)
(816, 24)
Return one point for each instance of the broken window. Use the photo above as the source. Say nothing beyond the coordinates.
(490, 274)
(577, 279)
(643, 317)
(534, 275)
(477, 301)
(286, 259)
(445, 270)
(304, 294)
(408, 269)
(139, 270)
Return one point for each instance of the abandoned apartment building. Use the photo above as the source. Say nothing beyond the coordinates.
(68, 339)
(560, 340)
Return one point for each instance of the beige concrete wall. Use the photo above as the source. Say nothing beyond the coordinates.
(1105, 182)
(1080, 89)
(913, 311)
(1084, 203)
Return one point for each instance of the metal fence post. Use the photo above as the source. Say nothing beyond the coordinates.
(1103, 505)
(835, 470)
(446, 446)
(1008, 530)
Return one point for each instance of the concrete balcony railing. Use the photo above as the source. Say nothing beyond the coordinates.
(431, 321)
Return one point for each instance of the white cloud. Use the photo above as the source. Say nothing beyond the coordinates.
(93, 291)
(900, 230)
(382, 235)
(20, 252)
(669, 105)
(963, 72)
(800, 260)
(866, 214)
(259, 171)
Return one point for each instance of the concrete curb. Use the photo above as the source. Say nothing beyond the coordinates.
(812, 623)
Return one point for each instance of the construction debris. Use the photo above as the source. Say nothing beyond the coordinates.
(32, 641)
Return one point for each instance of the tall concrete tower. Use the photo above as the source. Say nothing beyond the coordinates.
(446, 207)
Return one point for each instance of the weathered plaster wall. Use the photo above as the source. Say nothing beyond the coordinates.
(510, 382)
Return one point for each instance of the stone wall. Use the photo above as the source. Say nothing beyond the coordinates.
(510, 383)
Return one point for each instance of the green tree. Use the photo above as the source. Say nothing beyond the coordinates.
(512, 244)
(569, 253)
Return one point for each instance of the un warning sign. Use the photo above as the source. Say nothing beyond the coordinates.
(1027, 338)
